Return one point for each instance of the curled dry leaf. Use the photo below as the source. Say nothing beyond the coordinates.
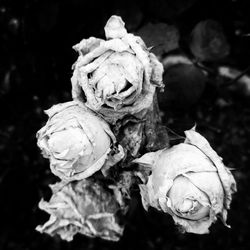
(77, 142)
(133, 137)
(190, 182)
(117, 76)
(83, 207)
(138, 136)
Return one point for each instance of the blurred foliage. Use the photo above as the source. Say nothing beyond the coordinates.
(185, 84)
(208, 42)
(35, 69)
(161, 37)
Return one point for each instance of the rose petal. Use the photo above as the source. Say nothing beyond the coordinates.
(189, 159)
(229, 184)
(182, 194)
(209, 183)
(115, 28)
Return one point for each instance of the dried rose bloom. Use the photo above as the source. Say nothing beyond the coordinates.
(77, 141)
(82, 207)
(116, 76)
(190, 182)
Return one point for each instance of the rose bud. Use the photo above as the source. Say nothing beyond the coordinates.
(190, 182)
(83, 207)
(116, 76)
(77, 141)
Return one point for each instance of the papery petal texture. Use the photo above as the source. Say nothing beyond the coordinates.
(77, 141)
(117, 76)
(226, 177)
(190, 182)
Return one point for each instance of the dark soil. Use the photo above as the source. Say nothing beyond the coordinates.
(35, 69)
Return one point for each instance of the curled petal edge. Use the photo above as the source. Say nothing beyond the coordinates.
(226, 177)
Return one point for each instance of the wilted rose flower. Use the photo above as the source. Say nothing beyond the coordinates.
(190, 182)
(118, 76)
(83, 207)
(77, 141)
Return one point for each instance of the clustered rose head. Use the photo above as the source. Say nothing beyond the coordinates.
(77, 141)
(114, 78)
(190, 182)
(118, 75)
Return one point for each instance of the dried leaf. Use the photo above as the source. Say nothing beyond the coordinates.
(83, 207)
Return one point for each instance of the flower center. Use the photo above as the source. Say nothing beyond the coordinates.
(186, 206)
(187, 200)
(67, 144)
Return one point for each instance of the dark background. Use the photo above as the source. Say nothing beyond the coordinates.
(35, 69)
